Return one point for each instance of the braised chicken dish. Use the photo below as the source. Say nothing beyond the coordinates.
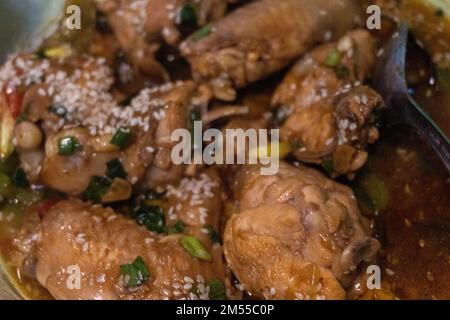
(94, 206)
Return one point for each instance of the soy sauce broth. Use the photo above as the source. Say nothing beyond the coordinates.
(413, 222)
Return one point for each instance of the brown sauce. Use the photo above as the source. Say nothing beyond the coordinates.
(413, 226)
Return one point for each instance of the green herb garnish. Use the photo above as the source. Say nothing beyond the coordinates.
(216, 289)
(188, 14)
(150, 216)
(342, 72)
(333, 59)
(195, 248)
(178, 227)
(136, 273)
(377, 190)
(68, 146)
(212, 233)
(203, 32)
(98, 187)
(19, 177)
(121, 137)
(115, 169)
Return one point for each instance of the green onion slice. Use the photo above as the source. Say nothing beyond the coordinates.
(135, 273)
(178, 227)
(188, 14)
(68, 146)
(216, 289)
(333, 59)
(19, 177)
(98, 187)
(195, 248)
(212, 233)
(202, 33)
(121, 137)
(150, 216)
(115, 169)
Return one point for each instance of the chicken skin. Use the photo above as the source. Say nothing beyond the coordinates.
(142, 26)
(297, 235)
(325, 111)
(97, 241)
(252, 43)
(71, 98)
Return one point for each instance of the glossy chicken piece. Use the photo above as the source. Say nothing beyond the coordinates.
(141, 26)
(71, 98)
(326, 113)
(297, 235)
(97, 241)
(161, 110)
(251, 43)
(167, 16)
(127, 19)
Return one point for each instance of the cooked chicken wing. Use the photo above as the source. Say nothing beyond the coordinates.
(128, 19)
(251, 42)
(298, 235)
(96, 241)
(71, 99)
(168, 15)
(141, 26)
(328, 113)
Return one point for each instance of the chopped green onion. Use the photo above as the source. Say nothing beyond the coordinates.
(136, 273)
(203, 32)
(98, 187)
(19, 177)
(216, 289)
(68, 146)
(115, 169)
(178, 227)
(342, 72)
(150, 216)
(377, 191)
(195, 248)
(121, 138)
(212, 233)
(188, 15)
(60, 111)
(333, 59)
